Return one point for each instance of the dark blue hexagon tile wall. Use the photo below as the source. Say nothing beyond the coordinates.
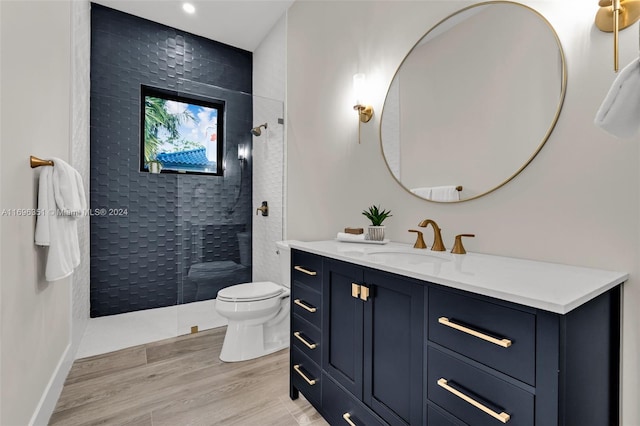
(141, 260)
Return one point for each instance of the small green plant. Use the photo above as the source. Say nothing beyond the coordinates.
(376, 215)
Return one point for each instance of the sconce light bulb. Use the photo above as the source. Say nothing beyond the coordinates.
(359, 83)
(365, 112)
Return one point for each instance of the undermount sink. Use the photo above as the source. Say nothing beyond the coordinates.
(402, 256)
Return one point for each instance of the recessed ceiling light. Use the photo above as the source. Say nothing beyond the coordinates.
(189, 8)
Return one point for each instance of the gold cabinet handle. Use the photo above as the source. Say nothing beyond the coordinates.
(303, 340)
(347, 418)
(304, 376)
(364, 293)
(305, 271)
(503, 417)
(304, 305)
(505, 343)
(355, 290)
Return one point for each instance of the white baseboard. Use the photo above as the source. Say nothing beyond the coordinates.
(52, 392)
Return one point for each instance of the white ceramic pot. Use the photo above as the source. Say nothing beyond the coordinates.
(375, 233)
(155, 167)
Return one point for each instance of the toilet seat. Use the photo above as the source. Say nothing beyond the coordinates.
(250, 292)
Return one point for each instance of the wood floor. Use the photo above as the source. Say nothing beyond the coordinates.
(181, 381)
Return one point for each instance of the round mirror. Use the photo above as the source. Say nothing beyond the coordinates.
(473, 102)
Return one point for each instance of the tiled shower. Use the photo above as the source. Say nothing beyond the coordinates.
(178, 229)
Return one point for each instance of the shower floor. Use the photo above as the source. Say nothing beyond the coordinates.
(115, 332)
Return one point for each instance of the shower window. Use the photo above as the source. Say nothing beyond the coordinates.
(183, 132)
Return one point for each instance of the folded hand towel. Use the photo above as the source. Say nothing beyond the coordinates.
(445, 193)
(68, 189)
(342, 236)
(422, 192)
(57, 231)
(619, 113)
(438, 193)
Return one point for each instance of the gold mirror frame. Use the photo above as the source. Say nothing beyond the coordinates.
(546, 135)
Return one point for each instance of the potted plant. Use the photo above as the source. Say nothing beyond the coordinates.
(376, 215)
(155, 166)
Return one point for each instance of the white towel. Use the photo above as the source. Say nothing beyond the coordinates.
(422, 192)
(68, 189)
(619, 113)
(445, 193)
(343, 236)
(57, 231)
(438, 193)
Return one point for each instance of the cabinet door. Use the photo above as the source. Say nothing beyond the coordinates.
(342, 325)
(393, 348)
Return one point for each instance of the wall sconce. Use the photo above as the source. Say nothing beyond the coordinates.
(242, 152)
(365, 112)
(615, 15)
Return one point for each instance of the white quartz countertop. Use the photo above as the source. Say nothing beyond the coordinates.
(548, 286)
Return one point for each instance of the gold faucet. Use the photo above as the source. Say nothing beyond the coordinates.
(438, 245)
(458, 248)
(419, 240)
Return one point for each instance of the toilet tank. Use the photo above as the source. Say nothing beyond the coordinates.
(284, 253)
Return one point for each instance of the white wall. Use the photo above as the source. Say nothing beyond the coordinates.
(269, 74)
(36, 97)
(576, 203)
(80, 93)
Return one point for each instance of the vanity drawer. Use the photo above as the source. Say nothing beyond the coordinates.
(306, 303)
(306, 269)
(495, 335)
(305, 376)
(436, 418)
(306, 337)
(475, 396)
(342, 408)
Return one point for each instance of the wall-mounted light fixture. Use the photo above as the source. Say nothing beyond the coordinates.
(615, 15)
(365, 112)
(242, 152)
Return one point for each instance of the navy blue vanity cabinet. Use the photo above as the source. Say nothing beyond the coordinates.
(373, 348)
(373, 343)
(306, 311)
(491, 362)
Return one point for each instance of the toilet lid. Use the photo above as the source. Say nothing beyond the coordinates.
(250, 291)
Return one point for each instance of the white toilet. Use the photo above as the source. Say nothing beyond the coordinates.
(258, 314)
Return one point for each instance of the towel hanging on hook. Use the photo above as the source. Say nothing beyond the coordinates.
(619, 113)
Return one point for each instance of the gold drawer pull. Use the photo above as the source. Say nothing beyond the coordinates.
(347, 418)
(305, 271)
(303, 340)
(505, 343)
(503, 417)
(364, 293)
(304, 305)
(355, 290)
(304, 376)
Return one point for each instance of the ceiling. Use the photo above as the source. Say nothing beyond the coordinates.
(239, 23)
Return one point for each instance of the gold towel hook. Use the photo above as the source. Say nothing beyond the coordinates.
(616, 15)
(37, 162)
